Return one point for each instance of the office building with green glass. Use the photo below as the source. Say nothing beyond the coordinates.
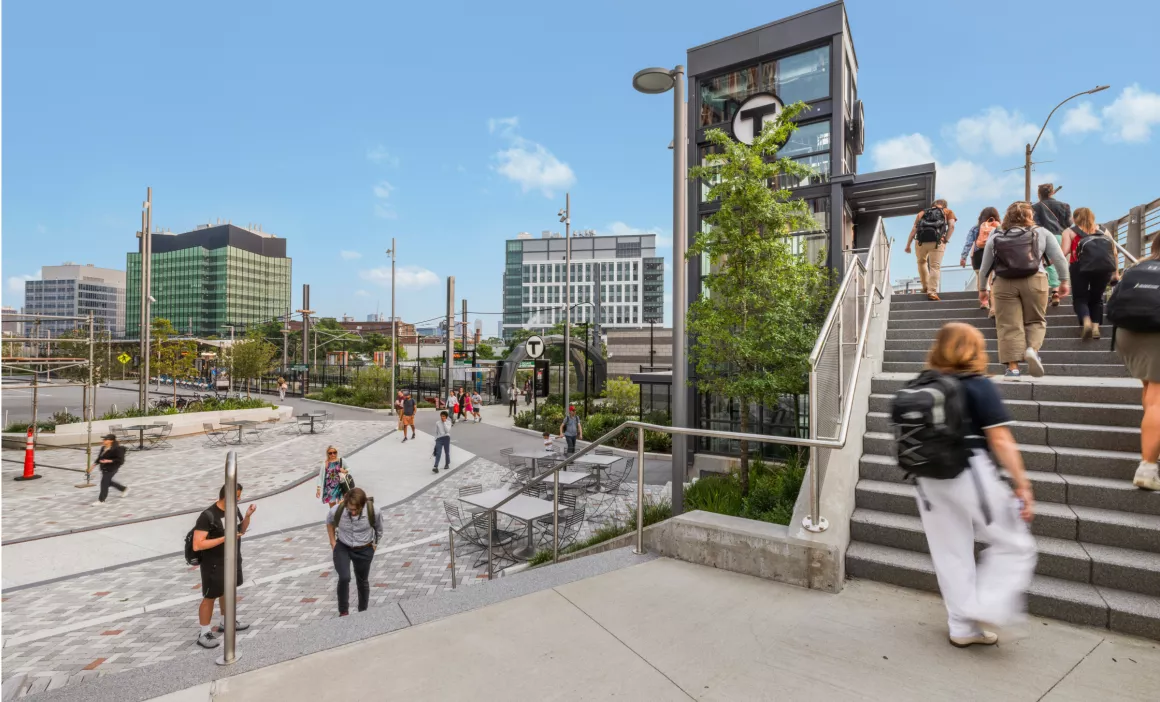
(209, 279)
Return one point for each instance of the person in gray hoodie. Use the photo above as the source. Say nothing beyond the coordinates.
(442, 441)
(1015, 255)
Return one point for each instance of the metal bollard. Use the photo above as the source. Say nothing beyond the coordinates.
(451, 544)
(230, 596)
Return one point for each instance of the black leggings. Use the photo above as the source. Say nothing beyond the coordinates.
(344, 556)
(1087, 294)
(107, 482)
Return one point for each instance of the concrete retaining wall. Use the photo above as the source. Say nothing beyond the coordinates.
(183, 425)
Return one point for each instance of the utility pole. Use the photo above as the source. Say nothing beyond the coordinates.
(146, 294)
(566, 218)
(306, 312)
(394, 326)
(464, 313)
(286, 343)
(450, 333)
(231, 357)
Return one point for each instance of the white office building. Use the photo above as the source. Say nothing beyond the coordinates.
(622, 275)
(74, 290)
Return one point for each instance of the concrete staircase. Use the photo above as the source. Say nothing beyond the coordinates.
(1078, 430)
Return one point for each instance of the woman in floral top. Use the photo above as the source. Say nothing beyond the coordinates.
(328, 478)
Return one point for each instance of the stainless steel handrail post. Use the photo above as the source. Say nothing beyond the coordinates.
(814, 522)
(639, 491)
(451, 544)
(230, 595)
(490, 548)
(556, 511)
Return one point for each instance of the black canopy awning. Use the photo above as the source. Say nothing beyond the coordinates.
(894, 193)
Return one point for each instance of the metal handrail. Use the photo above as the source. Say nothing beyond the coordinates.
(1124, 251)
(875, 287)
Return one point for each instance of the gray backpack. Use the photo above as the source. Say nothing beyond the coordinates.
(1016, 252)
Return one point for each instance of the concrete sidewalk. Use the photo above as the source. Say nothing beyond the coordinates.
(387, 469)
(667, 630)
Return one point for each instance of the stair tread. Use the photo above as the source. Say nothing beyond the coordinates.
(1058, 426)
(1050, 403)
(1045, 544)
(1050, 509)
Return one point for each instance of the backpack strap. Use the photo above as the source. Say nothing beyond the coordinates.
(341, 507)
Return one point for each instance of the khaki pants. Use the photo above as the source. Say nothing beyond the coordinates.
(930, 264)
(1020, 314)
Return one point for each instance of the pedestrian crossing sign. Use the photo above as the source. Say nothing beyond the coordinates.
(124, 358)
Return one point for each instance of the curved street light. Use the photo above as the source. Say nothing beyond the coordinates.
(654, 81)
(1031, 147)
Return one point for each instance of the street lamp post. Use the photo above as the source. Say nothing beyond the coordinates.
(566, 217)
(394, 326)
(231, 390)
(653, 81)
(1031, 147)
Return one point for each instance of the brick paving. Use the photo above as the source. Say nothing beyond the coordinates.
(164, 481)
(128, 617)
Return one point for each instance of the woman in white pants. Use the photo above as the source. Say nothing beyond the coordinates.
(978, 505)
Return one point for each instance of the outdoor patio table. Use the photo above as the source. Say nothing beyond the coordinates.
(569, 477)
(600, 462)
(522, 507)
(312, 416)
(535, 455)
(140, 428)
(241, 424)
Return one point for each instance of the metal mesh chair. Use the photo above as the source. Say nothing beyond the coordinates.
(213, 436)
(160, 436)
(569, 528)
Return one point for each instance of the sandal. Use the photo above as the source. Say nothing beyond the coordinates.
(1055, 299)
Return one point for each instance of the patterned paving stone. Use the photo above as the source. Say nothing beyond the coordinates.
(163, 481)
(104, 623)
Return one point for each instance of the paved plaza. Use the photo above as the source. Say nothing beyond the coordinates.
(165, 480)
(100, 623)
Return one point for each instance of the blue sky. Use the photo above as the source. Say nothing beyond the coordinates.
(453, 126)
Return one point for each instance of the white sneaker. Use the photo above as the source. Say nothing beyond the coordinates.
(98, 503)
(1034, 365)
(983, 638)
(1147, 476)
(125, 492)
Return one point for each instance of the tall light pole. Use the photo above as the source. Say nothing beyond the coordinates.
(1031, 147)
(232, 358)
(146, 294)
(653, 81)
(566, 217)
(394, 325)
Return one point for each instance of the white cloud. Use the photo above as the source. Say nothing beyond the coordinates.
(958, 181)
(1003, 133)
(409, 276)
(621, 229)
(527, 162)
(379, 154)
(349, 255)
(1080, 119)
(383, 208)
(1133, 114)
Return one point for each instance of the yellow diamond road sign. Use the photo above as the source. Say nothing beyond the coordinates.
(124, 358)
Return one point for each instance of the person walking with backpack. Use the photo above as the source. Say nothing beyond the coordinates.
(408, 416)
(1054, 216)
(453, 405)
(1134, 311)
(932, 229)
(443, 441)
(476, 406)
(571, 429)
(1015, 255)
(1091, 256)
(209, 537)
(282, 386)
(354, 529)
(110, 460)
(948, 423)
(976, 240)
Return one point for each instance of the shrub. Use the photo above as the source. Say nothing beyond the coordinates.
(660, 417)
(654, 512)
(524, 419)
(719, 494)
(63, 417)
(623, 397)
(658, 442)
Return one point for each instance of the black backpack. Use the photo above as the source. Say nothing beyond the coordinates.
(191, 556)
(929, 418)
(1016, 253)
(1135, 302)
(1095, 254)
(932, 227)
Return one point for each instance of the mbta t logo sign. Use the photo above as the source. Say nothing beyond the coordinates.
(534, 347)
(754, 113)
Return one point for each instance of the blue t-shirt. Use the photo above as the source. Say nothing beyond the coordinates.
(985, 408)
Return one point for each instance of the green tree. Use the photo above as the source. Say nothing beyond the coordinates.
(175, 358)
(251, 358)
(622, 397)
(762, 303)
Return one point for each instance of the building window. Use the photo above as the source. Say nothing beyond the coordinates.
(635, 271)
(804, 76)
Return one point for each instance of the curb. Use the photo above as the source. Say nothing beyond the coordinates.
(80, 530)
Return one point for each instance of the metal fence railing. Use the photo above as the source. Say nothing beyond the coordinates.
(1135, 231)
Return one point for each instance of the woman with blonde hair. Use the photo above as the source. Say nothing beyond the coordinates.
(330, 478)
(977, 504)
(1015, 255)
(1091, 256)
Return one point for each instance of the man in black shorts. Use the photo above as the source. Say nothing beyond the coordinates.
(209, 536)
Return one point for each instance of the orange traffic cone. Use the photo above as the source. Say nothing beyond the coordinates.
(29, 459)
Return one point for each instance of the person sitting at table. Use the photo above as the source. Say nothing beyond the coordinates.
(329, 488)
